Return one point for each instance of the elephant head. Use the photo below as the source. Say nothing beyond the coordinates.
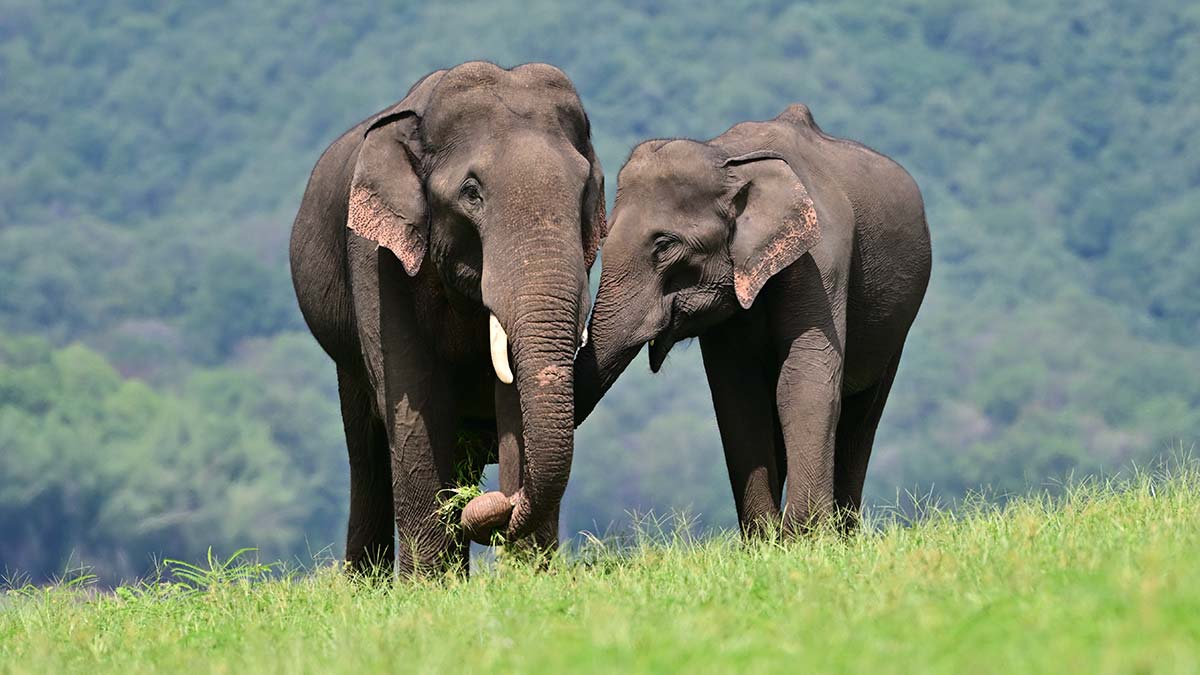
(488, 175)
(697, 231)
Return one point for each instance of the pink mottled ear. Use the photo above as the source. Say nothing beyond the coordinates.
(776, 221)
(387, 203)
(387, 198)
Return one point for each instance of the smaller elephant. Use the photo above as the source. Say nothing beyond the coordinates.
(800, 261)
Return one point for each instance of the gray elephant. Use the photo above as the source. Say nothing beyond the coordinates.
(436, 239)
(800, 261)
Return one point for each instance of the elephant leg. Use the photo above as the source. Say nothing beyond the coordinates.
(741, 393)
(424, 445)
(808, 395)
(414, 394)
(511, 442)
(809, 402)
(860, 417)
(370, 531)
(780, 455)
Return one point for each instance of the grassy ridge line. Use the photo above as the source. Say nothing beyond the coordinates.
(1102, 580)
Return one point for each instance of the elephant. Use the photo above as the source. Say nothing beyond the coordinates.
(800, 261)
(440, 257)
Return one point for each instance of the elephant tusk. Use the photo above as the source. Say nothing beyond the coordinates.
(499, 343)
(582, 342)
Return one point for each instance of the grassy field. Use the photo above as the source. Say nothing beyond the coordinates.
(1106, 579)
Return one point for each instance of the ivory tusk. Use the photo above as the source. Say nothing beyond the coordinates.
(498, 340)
(582, 343)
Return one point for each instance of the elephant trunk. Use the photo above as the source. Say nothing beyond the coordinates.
(545, 336)
(537, 307)
(611, 346)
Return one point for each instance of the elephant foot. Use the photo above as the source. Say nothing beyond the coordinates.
(485, 516)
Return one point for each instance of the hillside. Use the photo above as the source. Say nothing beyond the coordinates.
(158, 392)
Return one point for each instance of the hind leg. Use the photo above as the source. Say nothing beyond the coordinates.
(370, 530)
(860, 417)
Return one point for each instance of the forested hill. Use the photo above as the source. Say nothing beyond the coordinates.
(158, 392)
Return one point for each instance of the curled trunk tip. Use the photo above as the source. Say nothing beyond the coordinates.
(486, 515)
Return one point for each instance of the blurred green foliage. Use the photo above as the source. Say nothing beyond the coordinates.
(151, 159)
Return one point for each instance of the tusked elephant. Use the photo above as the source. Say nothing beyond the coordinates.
(800, 261)
(435, 240)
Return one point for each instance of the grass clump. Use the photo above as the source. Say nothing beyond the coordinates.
(1101, 579)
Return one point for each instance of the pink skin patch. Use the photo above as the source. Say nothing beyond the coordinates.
(371, 218)
(550, 375)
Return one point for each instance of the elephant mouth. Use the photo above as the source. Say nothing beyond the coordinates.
(660, 345)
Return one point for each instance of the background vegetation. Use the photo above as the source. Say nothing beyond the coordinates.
(159, 393)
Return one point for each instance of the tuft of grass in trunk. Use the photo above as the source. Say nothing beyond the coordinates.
(452, 501)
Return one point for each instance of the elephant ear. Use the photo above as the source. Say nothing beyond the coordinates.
(775, 221)
(387, 200)
(595, 225)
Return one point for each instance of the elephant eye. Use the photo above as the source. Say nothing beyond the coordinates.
(663, 244)
(470, 192)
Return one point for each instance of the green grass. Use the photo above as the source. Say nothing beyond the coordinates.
(1105, 579)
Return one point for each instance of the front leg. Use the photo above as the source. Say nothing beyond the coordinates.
(740, 384)
(809, 329)
(414, 394)
(424, 448)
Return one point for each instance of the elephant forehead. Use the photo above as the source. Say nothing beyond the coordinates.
(679, 175)
(677, 161)
(483, 73)
(472, 74)
(488, 95)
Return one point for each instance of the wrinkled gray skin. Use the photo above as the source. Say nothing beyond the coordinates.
(477, 193)
(800, 261)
